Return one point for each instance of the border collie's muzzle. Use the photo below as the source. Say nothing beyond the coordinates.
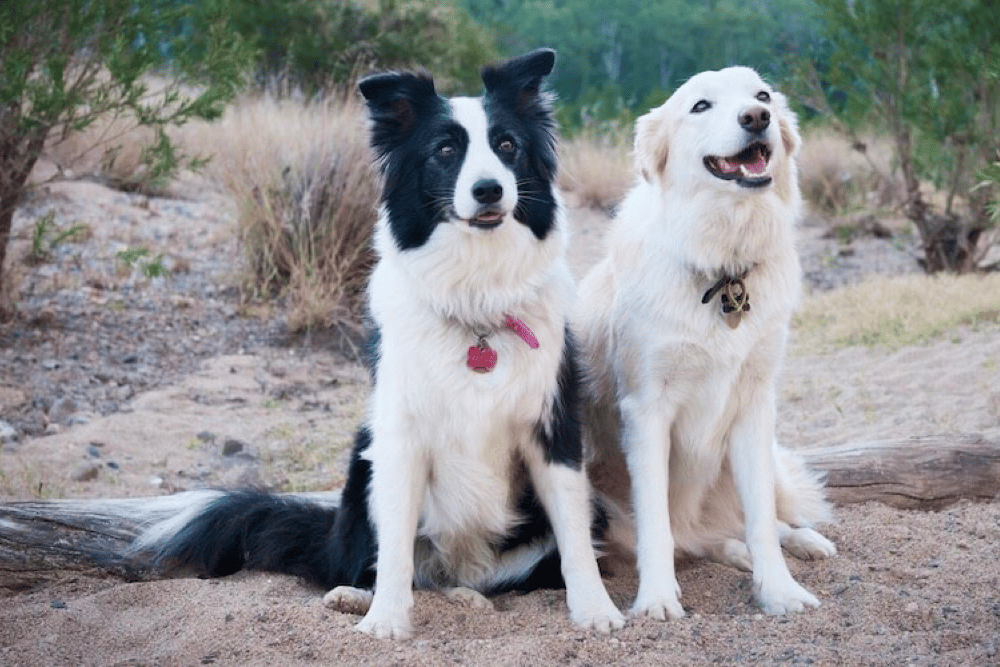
(487, 192)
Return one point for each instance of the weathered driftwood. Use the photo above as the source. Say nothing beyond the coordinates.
(917, 473)
(43, 540)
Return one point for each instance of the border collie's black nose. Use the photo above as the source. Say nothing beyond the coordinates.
(755, 119)
(487, 191)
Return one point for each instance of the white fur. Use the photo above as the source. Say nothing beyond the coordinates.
(481, 162)
(444, 438)
(691, 400)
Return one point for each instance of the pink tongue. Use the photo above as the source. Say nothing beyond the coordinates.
(758, 166)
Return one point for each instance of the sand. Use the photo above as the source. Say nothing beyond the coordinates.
(906, 588)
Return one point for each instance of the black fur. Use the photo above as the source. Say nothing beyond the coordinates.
(257, 530)
(561, 437)
(411, 123)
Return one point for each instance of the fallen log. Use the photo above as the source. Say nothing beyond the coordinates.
(45, 540)
(925, 472)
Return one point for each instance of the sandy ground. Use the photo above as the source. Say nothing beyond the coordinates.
(906, 587)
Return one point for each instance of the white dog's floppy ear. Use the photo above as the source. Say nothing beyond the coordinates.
(652, 144)
(789, 126)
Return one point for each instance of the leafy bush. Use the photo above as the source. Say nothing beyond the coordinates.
(65, 64)
(920, 70)
(321, 44)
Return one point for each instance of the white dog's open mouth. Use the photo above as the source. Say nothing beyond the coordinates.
(749, 168)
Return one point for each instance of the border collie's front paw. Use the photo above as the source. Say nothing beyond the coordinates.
(469, 598)
(349, 600)
(395, 626)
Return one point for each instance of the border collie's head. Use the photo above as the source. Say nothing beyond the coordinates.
(474, 162)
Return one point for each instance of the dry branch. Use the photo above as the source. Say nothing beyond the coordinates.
(44, 540)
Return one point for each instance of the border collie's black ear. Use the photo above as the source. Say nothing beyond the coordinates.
(395, 102)
(519, 80)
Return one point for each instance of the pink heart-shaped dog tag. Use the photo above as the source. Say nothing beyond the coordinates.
(482, 358)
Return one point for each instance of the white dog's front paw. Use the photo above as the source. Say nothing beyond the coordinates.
(386, 626)
(807, 544)
(659, 605)
(598, 613)
(786, 597)
(349, 600)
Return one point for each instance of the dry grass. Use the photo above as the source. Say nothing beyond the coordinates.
(596, 169)
(837, 178)
(896, 312)
(110, 150)
(113, 149)
(306, 194)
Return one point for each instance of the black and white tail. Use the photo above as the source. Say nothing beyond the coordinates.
(223, 532)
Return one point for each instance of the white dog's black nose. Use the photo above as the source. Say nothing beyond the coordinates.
(487, 191)
(755, 119)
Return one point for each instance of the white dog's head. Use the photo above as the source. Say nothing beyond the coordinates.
(726, 127)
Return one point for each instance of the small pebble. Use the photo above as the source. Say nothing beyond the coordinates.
(232, 446)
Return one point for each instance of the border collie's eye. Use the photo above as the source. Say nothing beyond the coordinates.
(764, 96)
(506, 146)
(446, 150)
(700, 106)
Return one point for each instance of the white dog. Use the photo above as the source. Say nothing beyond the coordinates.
(683, 327)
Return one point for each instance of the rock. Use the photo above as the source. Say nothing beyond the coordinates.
(8, 433)
(61, 410)
(232, 446)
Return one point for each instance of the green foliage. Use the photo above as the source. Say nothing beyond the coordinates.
(328, 43)
(918, 69)
(140, 256)
(64, 64)
(46, 236)
(622, 57)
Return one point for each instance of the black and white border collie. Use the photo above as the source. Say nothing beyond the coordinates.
(468, 474)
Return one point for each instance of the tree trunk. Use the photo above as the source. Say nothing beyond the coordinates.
(18, 155)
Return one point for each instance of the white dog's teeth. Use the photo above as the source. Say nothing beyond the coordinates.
(727, 167)
(752, 174)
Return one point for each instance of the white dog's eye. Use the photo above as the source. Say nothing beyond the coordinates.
(763, 96)
(700, 106)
